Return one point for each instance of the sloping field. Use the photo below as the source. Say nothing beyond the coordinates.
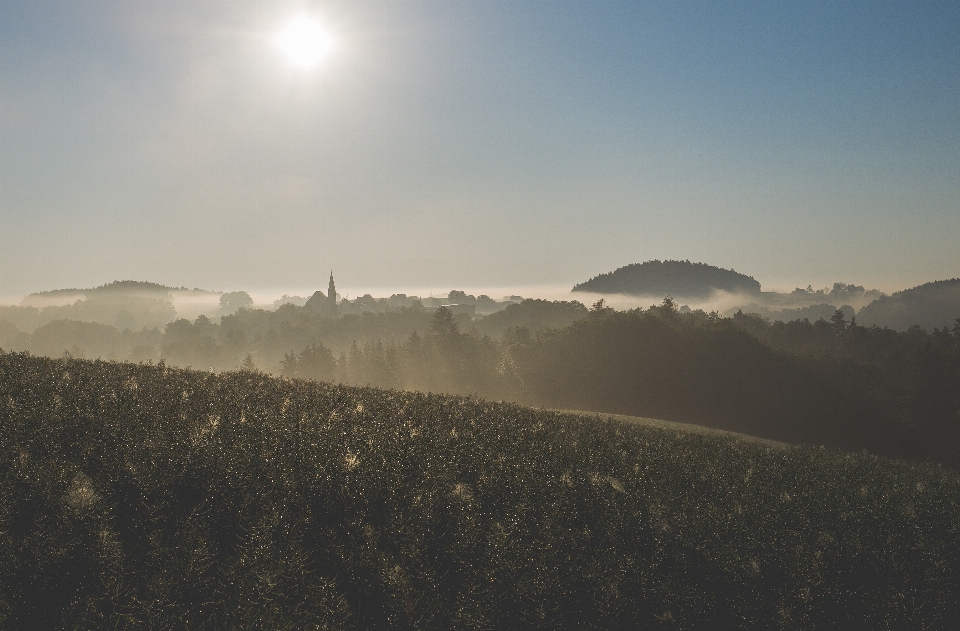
(136, 496)
(677, 427)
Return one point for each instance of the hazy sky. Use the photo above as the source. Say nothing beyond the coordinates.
(477, 143)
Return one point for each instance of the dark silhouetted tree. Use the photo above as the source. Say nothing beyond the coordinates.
(839, 322)
(443, 322)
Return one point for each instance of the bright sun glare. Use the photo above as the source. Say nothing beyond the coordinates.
(303, 41)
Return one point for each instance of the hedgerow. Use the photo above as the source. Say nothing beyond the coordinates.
(139, 496)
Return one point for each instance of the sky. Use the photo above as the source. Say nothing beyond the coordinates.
(475, 144)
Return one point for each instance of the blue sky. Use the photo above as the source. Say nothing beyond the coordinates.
(477, 143)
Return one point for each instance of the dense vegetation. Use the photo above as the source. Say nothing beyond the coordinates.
(136, 305)
(531, 314)
(832, 383)
(674, 278)
(126, 304)
(119, 311)
(931, 305)
(137, 496)
(266, 336)
(117, 287)
(823, 383)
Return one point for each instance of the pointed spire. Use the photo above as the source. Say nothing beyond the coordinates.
(332, 292)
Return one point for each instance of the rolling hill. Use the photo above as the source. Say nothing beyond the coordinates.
(139, 496)
(680, 279)
(931, 305)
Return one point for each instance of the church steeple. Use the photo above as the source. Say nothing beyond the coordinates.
(332, 293)
(324, 305)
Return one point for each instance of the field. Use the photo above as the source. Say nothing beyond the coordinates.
(139, 496)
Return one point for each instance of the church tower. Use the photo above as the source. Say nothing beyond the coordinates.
(332, 294)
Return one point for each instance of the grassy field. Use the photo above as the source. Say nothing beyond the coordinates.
(136, 496)
(677, 427)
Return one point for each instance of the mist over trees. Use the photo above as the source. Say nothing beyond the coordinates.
(232, 301)
(813, 313)
(120, 311)
(931, 305)
(293, 300)
(533, 315)
(827, 379)
(827, 382)
(127, 304)
(840, 293)
(119, 287)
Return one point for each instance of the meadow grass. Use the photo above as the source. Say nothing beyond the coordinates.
(139, 496)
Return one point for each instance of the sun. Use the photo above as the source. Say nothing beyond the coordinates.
(303, 41)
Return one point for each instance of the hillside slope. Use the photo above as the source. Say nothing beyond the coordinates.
(931, 305)
(136, 496)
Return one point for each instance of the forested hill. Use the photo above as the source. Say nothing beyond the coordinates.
(117, 290)
(930, 306)
(680, 279)
(126, 287)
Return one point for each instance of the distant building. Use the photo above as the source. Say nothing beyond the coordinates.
(324, 304)
(332, 294)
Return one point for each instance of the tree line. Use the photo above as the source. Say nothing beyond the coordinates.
(830, 383)
(833, 383)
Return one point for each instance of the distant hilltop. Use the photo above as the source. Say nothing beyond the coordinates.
(929, 306)
(116, 288)
(680, 279)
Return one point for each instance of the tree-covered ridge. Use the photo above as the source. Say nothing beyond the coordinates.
(833, 383)
(669, 278)
(532, 314)
(265, 335)
(829, 383)
(123, 311)
(125, 304)
(136, 496)
(931, 305)
(130, 287)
